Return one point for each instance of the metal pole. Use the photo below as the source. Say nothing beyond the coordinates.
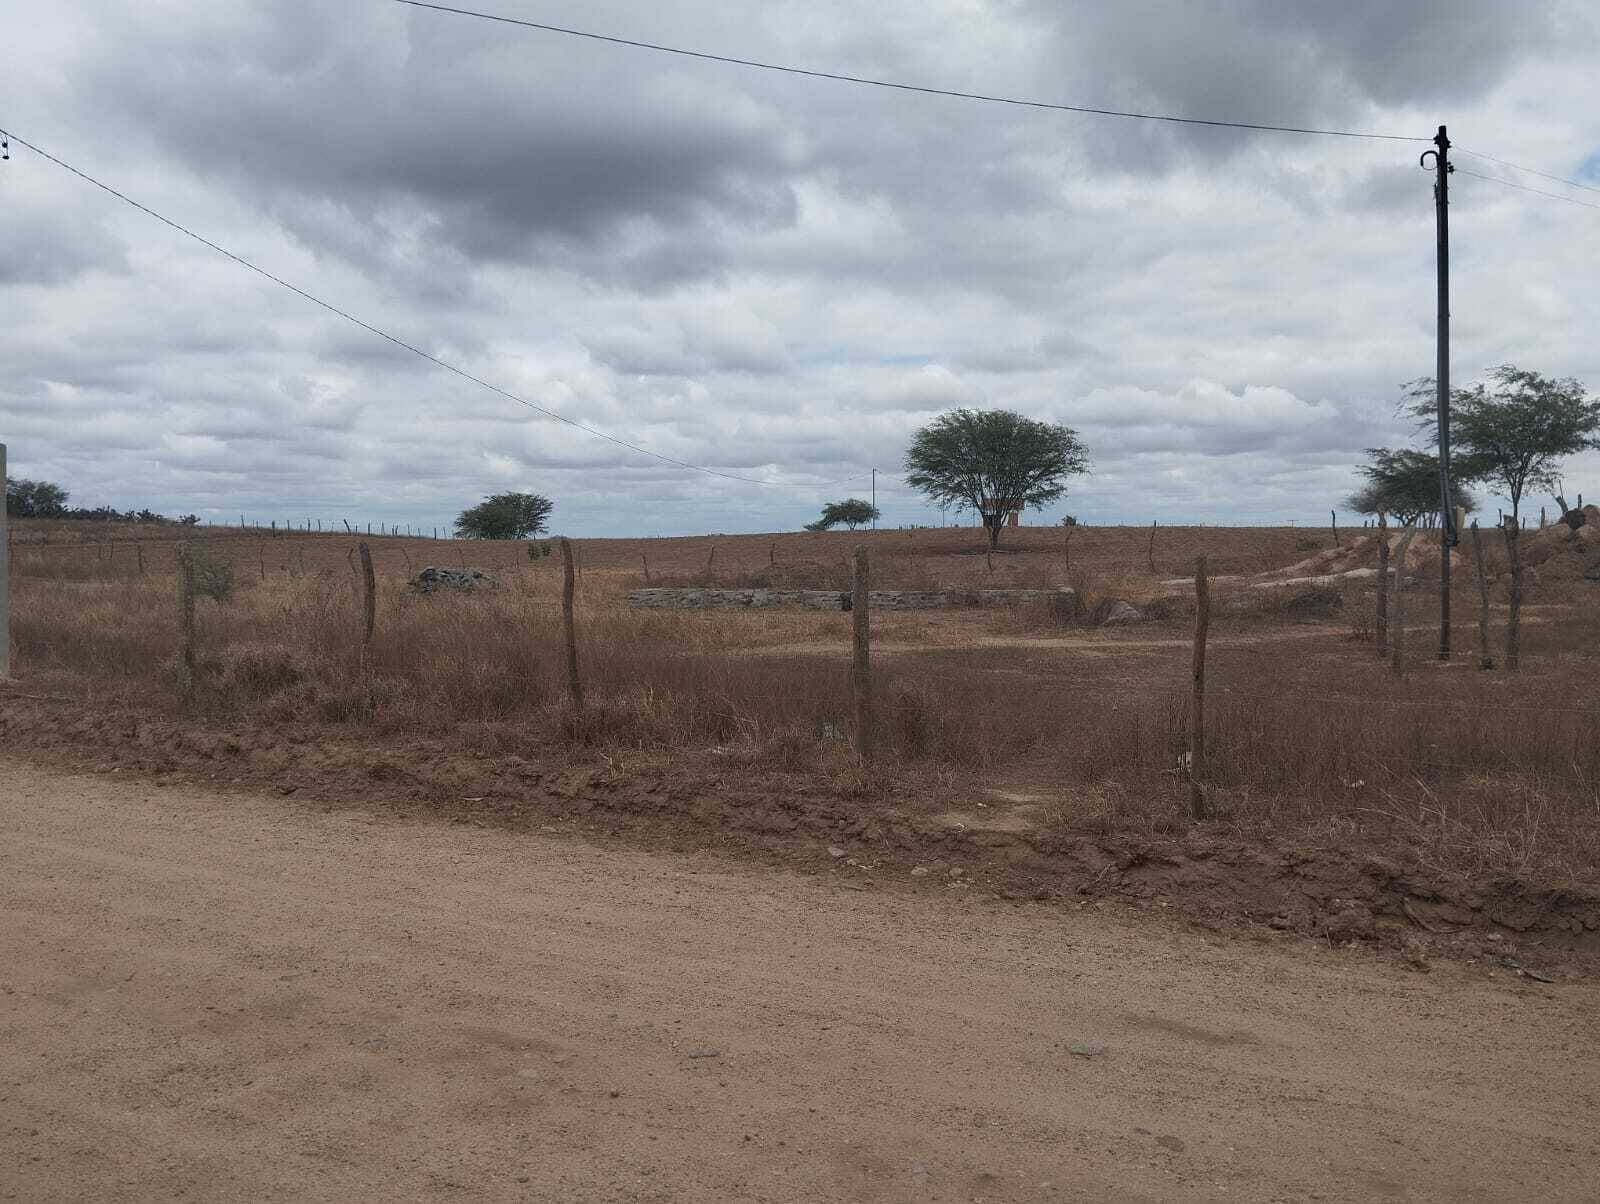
(1448, 535)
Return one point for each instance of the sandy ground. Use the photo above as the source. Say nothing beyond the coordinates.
(239, 997)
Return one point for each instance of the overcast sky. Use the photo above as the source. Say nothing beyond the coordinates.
(778, 277)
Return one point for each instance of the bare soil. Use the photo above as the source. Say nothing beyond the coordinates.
(234, 997)
(1015, 839)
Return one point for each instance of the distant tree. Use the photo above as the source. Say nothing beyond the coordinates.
(35, 499)
(1513, 430)
(1403, 483)
(993, 461)
(505, 516)
(852, 512)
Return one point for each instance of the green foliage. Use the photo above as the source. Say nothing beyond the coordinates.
(852, 512)
(972, 459)
(1513, 430)
(1404, 482)
(505, 516)
(35, 499)
(538, 551)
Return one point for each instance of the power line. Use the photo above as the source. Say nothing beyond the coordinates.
(1554, 196)
(382, 334)
(868, 81)
(1532, 171)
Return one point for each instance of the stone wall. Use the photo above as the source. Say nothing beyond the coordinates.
(816, 599)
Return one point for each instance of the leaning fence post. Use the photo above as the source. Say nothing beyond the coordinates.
(1380, 603)
(1514, 619)
(185, 627)
(569, 635)
(369, 584)
(1333, 517)
(1485, 661)
(5, 575)
(1397, 604)
(138, 549)
(1197, 724)
(861, 662)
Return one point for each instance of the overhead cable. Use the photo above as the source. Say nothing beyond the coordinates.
(868, 81)
(383, 334)
(1554, 196)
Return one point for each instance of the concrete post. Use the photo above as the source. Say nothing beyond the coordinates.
(5, 576)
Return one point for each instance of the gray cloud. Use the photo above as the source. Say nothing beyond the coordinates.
(777, 277)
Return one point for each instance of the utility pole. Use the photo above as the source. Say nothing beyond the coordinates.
(874, 499)
(1448, 535)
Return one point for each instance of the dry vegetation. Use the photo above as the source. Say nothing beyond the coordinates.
(1312, 738)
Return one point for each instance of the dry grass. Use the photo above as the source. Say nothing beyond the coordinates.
(1310, 737)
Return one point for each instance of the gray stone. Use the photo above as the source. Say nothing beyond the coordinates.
(1063, 600)
(1114, 612)
(434, 578)
(1087, 1049)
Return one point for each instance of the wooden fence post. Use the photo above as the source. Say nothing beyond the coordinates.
(646, 561)
(138, 550)
(185, 627)
(569, 635)
(1380, 603)
(1333, 517)
(1485, 661)
(1197, 717)
(5, 575)
(861, 661)
(369, 587)
(1152, 551)
(1514, 619)
(1397, 603)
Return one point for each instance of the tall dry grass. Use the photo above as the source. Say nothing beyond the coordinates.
(1486, 771)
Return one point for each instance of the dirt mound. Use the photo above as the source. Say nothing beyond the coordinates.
(1216, 878)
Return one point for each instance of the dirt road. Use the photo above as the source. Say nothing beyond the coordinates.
(239, 998)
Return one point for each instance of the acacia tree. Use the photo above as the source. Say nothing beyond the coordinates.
(35, 499)
(1514, 429)
(1404, 482)
(993, 461)
(852, 512)
(504, 516)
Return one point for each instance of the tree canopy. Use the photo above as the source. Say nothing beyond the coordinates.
(35, 499)
(992, 462)
(852, 512)
(1513, 430)
(505, 516)
(1403, 482)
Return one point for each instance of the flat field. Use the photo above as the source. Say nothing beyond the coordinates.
(1440, 805)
